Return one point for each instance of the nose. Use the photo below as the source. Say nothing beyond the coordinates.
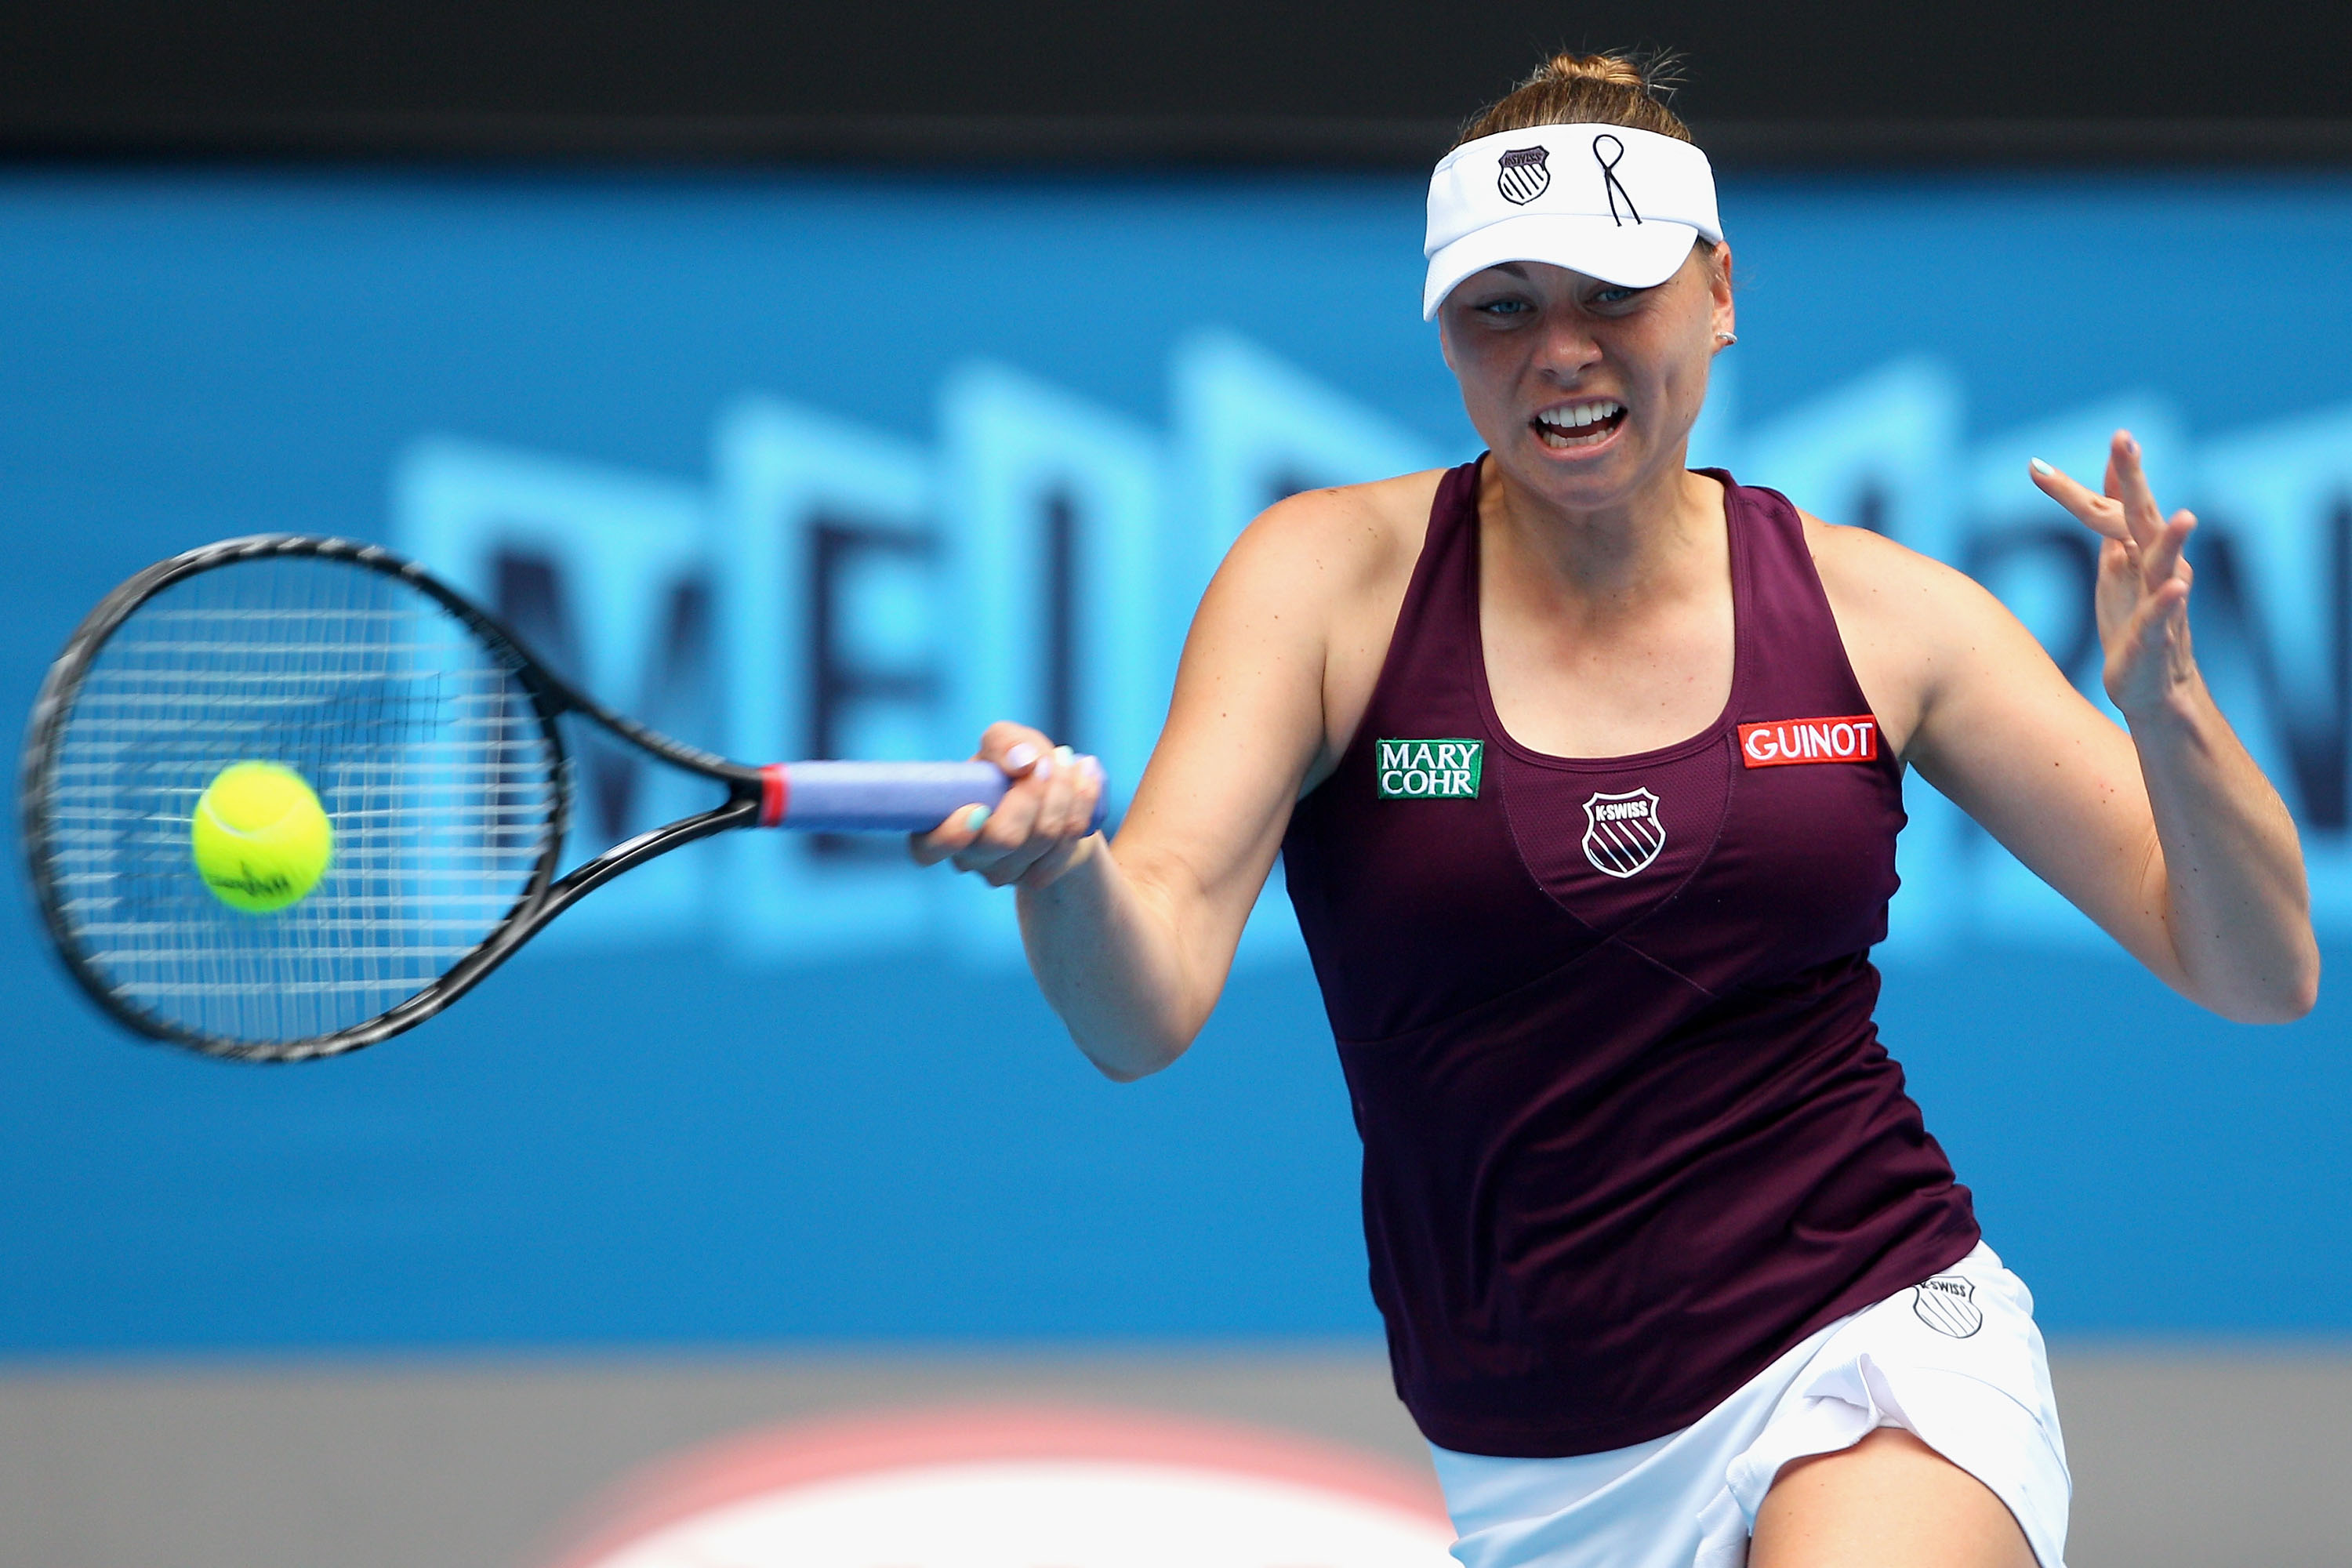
(1568, 348)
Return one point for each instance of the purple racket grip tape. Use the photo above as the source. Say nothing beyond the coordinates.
(882, 798)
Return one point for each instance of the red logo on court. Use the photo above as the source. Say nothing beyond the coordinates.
(1776, 745)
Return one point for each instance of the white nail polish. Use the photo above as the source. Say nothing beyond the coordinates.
(1064, 756)
(1020, 757)
(2044, 469)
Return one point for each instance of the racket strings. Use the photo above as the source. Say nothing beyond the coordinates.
(426, 752)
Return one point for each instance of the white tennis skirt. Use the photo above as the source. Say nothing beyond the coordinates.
(1955, 1360)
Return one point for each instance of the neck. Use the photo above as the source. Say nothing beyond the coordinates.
(1661, 539)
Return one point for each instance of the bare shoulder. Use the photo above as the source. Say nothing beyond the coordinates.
(1871, 569)
(1337, 540)
(1312, 588)
(1907, 620)
(1323, 560)
(1871, 579)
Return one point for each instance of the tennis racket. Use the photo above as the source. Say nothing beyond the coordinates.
(432, 739)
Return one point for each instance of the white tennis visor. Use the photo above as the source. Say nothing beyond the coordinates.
(1611, 202)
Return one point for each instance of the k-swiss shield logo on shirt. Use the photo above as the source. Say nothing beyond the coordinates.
(1430, 770)
(1947, 1304)
(1622, 833)
(1524, 175)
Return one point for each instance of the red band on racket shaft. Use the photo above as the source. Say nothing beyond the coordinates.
(775, 793)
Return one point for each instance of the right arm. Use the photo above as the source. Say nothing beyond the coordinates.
(1131, 942)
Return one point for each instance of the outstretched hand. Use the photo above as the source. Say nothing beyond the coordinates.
(2143, 592)
(1035, 832)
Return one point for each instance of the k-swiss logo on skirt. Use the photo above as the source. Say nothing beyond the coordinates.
(1947, 1304)
(1430, 770)
(1622, 833)
(1787, 741)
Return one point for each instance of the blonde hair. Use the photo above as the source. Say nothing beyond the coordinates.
(1587, 89)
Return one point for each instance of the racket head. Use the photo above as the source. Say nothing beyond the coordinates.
(429, 735)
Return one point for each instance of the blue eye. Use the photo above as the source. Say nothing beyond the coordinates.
(1504, 307)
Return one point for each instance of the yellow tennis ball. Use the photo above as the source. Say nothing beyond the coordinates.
(260, 837)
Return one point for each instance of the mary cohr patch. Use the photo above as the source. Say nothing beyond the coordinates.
(1430, 770)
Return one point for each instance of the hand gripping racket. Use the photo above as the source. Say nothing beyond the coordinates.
(431, 739)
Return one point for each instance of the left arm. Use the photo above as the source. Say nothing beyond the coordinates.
(2168, 836)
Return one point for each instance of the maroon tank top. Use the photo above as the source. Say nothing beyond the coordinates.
(1629, 1132)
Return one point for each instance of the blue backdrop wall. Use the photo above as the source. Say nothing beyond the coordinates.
(761, 1093)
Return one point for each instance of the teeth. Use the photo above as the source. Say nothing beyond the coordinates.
(1576, 416)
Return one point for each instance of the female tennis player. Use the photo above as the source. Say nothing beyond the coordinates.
(1586, 770)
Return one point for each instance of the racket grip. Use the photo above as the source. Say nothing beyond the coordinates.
(881, 797)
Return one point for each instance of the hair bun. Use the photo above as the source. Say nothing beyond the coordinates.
(1570, 88)
(1615, 71)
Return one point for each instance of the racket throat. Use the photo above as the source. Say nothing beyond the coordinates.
(775, 794)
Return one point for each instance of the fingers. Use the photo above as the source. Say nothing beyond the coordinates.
(2161, 617)
(1048, 808)
(2130, 486)
(2100, 514)
(1049, 811)
(1016, 748)
(2159, 561)
(2127, 513)
(1067, 809)
(955, 833)
(990, 838)
(1005, 844)
(2145, 625)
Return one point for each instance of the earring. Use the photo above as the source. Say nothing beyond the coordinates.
(1727, 339)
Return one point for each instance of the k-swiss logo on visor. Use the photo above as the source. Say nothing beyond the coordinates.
(1622, 833)
(1947, 1304)
(1776, 745)
(1430, 770)
(1525, 175)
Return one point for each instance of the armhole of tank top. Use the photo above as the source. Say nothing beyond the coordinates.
(1418, 590)
(1747, 607)
(1841, 660)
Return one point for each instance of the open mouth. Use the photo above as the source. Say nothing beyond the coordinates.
(1574, 425)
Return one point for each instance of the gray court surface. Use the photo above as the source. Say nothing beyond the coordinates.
(2181, 1458)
